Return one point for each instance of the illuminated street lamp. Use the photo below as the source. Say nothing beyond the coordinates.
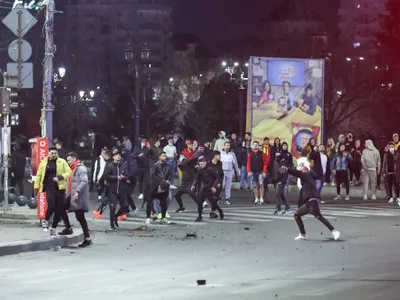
(61, 71)
(81, 94)
(91, 93)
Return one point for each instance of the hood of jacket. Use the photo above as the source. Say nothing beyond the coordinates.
(370, 145)
(223, 133)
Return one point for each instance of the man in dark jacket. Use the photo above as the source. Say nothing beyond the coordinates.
(208, 179)
(245, 180)
(320, 167)
(18, 163)
(216, 163)
(62, 153)
(143, 156)
(158, 188)
(310, 198)
(188, 168)
(130, 169)
(281, 180)
(116, 180)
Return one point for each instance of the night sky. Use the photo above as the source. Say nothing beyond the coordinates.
(220, 20)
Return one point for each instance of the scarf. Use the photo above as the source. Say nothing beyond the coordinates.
(70, 179)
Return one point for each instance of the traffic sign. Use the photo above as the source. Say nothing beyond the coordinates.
(27, 20)
(26, 50)
(26, 75)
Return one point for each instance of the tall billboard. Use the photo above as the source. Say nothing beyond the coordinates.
(285, 100)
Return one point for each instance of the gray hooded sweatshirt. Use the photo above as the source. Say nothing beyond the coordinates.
(371, 158)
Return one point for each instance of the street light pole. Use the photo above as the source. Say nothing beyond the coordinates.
(137, 103)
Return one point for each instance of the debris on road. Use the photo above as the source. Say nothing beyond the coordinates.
(201, 282)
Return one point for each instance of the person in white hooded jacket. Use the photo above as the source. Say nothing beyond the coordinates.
(98, 172)
(220, 143)
(229, 165)
(371, 164)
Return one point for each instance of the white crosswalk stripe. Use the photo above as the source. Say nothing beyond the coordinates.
(264, 214)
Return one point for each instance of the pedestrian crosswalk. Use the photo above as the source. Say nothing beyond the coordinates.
(264, 214)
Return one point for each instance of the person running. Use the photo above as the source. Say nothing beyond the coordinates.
(310, 198)
(51, 178)
(281, 180)
(208, 179)
(78, 195)
(158, 188)
(230, 165)
(257, 164)
(188, 168)
(116, 179)
(216, 163)
(341, 170)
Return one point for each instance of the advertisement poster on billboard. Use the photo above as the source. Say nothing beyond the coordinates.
(285, 100)
(40, 150)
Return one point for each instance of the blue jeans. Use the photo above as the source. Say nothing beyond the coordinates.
(320, 184)
(332, 165)
(244, 178)
(172, 169)
(157, 205)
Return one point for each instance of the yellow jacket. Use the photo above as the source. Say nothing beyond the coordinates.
(62, 169)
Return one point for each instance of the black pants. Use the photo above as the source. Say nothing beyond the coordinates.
(115, 199)
(342, 176)
(391, 182)
(18, 180)
(182, 191)
(92, 164)
(144, 178)
(206, 193)
(80, 217)
(130, 187)
(355, 171)
(57, 204)
(163, 197)
(280, 196)
(310, 207)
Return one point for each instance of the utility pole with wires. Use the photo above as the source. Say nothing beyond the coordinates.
(47, 110)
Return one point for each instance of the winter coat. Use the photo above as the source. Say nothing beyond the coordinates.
(243, 155)
(63, 172)
(111, 174)
(144, 160)
(80, 185)
(18, 163)
(188, 168)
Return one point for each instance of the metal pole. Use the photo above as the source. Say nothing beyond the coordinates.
(137, 104)
(47, 110)
(241, 107)
(5, 149)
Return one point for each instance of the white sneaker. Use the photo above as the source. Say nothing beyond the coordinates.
(391, 200)
(205, 204)
(165, 222)
(261, 201)
(53, 235)
(336, 235)
(256, 201)
(140, 197)
(373, 197)
(333, 184)
(398, 200)
(45, 226)
(365, 197)
(148, 221)
(347, 198)
(322, 202)
(338, 198)
(173, 187)
(300, 237)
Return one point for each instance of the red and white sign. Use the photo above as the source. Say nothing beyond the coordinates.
(40, 150)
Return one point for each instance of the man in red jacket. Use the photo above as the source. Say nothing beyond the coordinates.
(257, 165)
(188, 152)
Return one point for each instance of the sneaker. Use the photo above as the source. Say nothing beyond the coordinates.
(277, 211)
(53, 233)
(338, 198)
(398, 200)
(112, 228)
(261, 201)
(173, 187)
(159, 216)
(300, 237)
(148, 221)
(391, 200)
(336, 235)
(347, 198)
(180, 209)
(205, 204)
(133, 212)
(97, 214)
(98, 198)
(199, 219)
(333, 184)
(122, 218)
(66, 231)
(373, 197)
(165, 221)
(287, 212)
(167, 215)
(322, 202)
(365, 197)
(222, 215)
(85, 244)
(228, 202)
(45, 226)
(256, 201)
(213, 215)
(140, 197)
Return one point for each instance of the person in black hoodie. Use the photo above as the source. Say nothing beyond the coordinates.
(216, 163)
(208, 179)
(245, 180)
(18, 163)
(130, 168)
(310, 198)
(188, 168)
(143, 156)
(158, 188)
(275, 153)
(281, 180)
(116, 180)
(389, 170)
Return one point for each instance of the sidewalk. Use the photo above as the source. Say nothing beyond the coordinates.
(19, 238)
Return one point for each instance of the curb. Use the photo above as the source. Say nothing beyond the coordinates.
(40, 245)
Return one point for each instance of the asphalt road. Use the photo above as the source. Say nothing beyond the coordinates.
(251, 255)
